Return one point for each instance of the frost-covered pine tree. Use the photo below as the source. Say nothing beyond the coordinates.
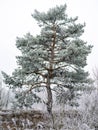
(54, 59)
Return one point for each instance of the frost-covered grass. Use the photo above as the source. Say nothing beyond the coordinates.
(38, 120)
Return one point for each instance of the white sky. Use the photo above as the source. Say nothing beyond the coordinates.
(16, 20)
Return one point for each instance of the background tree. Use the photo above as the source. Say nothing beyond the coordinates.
(6, 96)
(95, 76)
(54, 59)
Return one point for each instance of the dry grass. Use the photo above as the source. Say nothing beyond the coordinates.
(38, 120)
(22, 119)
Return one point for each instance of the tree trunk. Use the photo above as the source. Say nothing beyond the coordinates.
(49, 97)
(50, 101)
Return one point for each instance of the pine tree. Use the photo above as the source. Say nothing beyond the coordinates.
(54, 59)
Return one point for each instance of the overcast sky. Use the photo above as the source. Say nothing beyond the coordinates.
(16, 20)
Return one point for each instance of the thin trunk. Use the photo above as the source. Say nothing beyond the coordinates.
(50, 101)
(49, 77)
(49, 97)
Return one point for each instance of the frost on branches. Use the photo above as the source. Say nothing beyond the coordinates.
(52, 61)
